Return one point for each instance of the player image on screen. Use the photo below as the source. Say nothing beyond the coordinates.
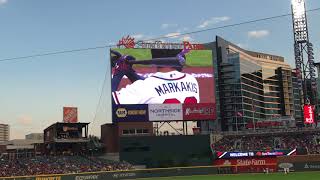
(167, 85)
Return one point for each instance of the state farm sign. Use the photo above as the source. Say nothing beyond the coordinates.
(246, 162)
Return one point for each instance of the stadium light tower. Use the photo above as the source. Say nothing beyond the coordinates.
(303, 51)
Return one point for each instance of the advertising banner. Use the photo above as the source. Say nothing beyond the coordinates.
(265, 124)
(203, 111)
(165, 112)
(249, 164)
(137, 112)
(246, 161)
(307, 166)
(70, 114)
(224, 155)
(308, 112)
(118, 175)
(299, 166)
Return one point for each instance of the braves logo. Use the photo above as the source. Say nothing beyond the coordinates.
(127, 42)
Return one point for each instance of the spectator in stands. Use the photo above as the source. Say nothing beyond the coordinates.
(268, 142)
(57, 165)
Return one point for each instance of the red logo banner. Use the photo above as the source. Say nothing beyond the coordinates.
(201, 111)
(70, 114)
(308, 111)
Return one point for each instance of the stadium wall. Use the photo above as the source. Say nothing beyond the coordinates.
(299, 162)
(166, 151)
(247, 165)
(132, 174)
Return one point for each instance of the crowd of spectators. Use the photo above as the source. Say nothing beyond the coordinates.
(309, 141)
(57, 165)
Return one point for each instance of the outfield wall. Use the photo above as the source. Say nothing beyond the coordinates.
(296, 163)
(132, 174)
(166, 151)
(299, 162)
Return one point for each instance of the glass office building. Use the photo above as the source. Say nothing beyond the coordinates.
(251, 86)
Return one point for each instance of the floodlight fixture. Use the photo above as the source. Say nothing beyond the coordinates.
(298, 8)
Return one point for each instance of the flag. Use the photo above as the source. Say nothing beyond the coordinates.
(252, 105)
(239, 114)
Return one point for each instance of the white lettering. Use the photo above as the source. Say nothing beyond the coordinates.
(246, 162)
(89, 177)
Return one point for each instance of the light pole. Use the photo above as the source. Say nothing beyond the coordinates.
(303, 52)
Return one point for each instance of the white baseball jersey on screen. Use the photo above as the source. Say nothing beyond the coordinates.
(169, 87)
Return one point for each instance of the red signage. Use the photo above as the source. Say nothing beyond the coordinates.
(246, 161)
(202, 111)
(127, 42)
(249, 164)
(70, 114)
(265, 124)
(188, 45)
(308, 111)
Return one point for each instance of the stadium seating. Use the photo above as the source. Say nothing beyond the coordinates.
(57, 165)
(310, 141)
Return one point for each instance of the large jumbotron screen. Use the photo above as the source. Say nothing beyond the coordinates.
(163, 93)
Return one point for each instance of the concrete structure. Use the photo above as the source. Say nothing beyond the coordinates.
(22, 144)
(111, 133)
(34, 136)
(4, 133)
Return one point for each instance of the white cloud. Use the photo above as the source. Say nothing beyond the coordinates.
(3, 2)
(244, 46)
(173, 35)
(24, 120)
(258, 34)
(186, 38)
(143, 37)
(166, 26)
(213, 20)
(184, 29)
(138, 36)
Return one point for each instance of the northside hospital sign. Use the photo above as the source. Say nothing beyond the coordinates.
(129, 42)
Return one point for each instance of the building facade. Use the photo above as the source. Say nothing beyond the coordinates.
(34, 136)
(252, 87)
(297, 100)
(4, 133)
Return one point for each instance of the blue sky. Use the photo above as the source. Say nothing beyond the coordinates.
(34, 91)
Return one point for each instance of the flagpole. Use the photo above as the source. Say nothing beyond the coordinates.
(236, 119)
(253, 111)
(236, 114)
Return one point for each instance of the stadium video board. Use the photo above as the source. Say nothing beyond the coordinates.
(162, 84)
(227, 155)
